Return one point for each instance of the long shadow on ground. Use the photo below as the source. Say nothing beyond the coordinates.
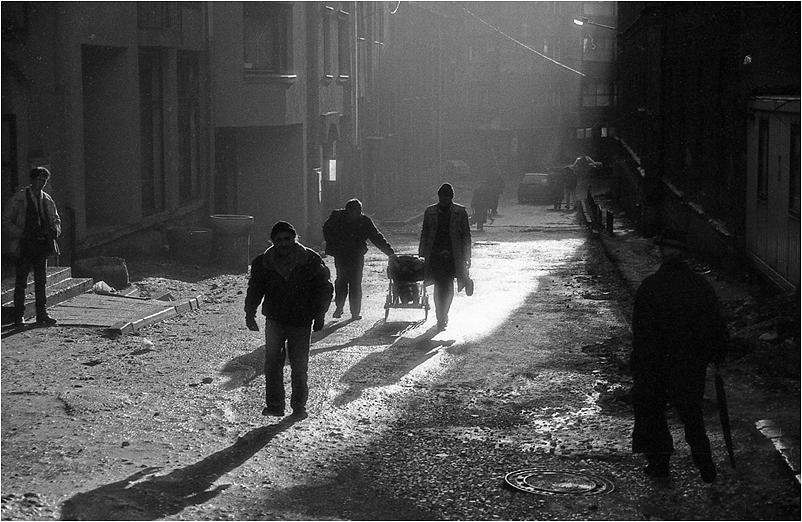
(159, 496)
(404, 355)
(243, 369)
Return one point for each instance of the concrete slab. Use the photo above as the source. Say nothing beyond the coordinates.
(119, 313)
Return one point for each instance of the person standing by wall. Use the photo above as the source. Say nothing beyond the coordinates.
(556, 187)
(480, 204)
(677, 331)
(346, 232)
(33, 224)
(292, 283)
(445, 245)
(496, 189)
(569, 182)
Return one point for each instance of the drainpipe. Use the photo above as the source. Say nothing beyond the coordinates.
(211, 177)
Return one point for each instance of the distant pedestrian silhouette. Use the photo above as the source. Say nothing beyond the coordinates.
(481, 202)
(556, 187)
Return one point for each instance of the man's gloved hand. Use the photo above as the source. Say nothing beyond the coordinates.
(318, 324)
(250, 322)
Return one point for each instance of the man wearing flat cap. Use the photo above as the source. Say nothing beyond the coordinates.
(293, 285)
(445, 245)
(677, 330)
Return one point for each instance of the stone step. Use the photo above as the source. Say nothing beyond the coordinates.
(55, 274)
(56, 293)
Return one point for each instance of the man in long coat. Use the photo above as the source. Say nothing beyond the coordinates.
(677, 331)
(445, 245)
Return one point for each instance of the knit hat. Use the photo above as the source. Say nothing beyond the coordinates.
(446, 190)
(282, 226)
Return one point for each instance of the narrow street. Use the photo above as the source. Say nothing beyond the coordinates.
(404, 423)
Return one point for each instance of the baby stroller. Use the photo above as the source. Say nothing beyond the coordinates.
(406, 289)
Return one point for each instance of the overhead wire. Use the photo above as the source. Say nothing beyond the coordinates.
(505, 35)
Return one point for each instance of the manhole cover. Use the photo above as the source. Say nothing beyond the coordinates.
(546, 481)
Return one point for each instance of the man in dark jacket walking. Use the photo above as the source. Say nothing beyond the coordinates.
(294, 283)
(677, 331)
(445, 245)
(346, 233)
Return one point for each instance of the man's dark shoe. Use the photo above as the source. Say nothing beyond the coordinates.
(19, 321)
(356, 317)
(272, 412)
(707, 470)
(45, 321)
(338, 312)
(300, 413)
(657, 468)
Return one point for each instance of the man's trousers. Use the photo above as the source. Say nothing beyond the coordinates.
(283, 340)
(651, 434)
(27, 260)
(348, 282)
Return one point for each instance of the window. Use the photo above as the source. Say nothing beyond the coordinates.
(15, 21)
(596, 94)
(793, 174)
(598, 8)
(158, 15)
(266, 38)
(9, 142)
(151, 130)
(598, 48)
(763, 160)
(189, 133)
(327, 46)
(343, 45)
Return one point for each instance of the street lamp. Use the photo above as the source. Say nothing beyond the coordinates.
(584, 20)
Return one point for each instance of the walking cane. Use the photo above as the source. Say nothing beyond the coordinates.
(724, 416)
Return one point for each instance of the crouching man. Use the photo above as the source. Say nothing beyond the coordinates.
(295, 286)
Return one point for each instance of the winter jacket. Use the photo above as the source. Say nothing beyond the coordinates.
(15, 212)
(677, 328)
(299, 299)
(349, 238)
(459, 230)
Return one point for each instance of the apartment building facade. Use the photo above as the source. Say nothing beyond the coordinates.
(112, 97)
(533, 90)
(155, 114)
(696, 80)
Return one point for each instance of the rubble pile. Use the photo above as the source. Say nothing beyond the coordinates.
(764, 333)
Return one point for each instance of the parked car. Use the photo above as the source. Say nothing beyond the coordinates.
(534, 188)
